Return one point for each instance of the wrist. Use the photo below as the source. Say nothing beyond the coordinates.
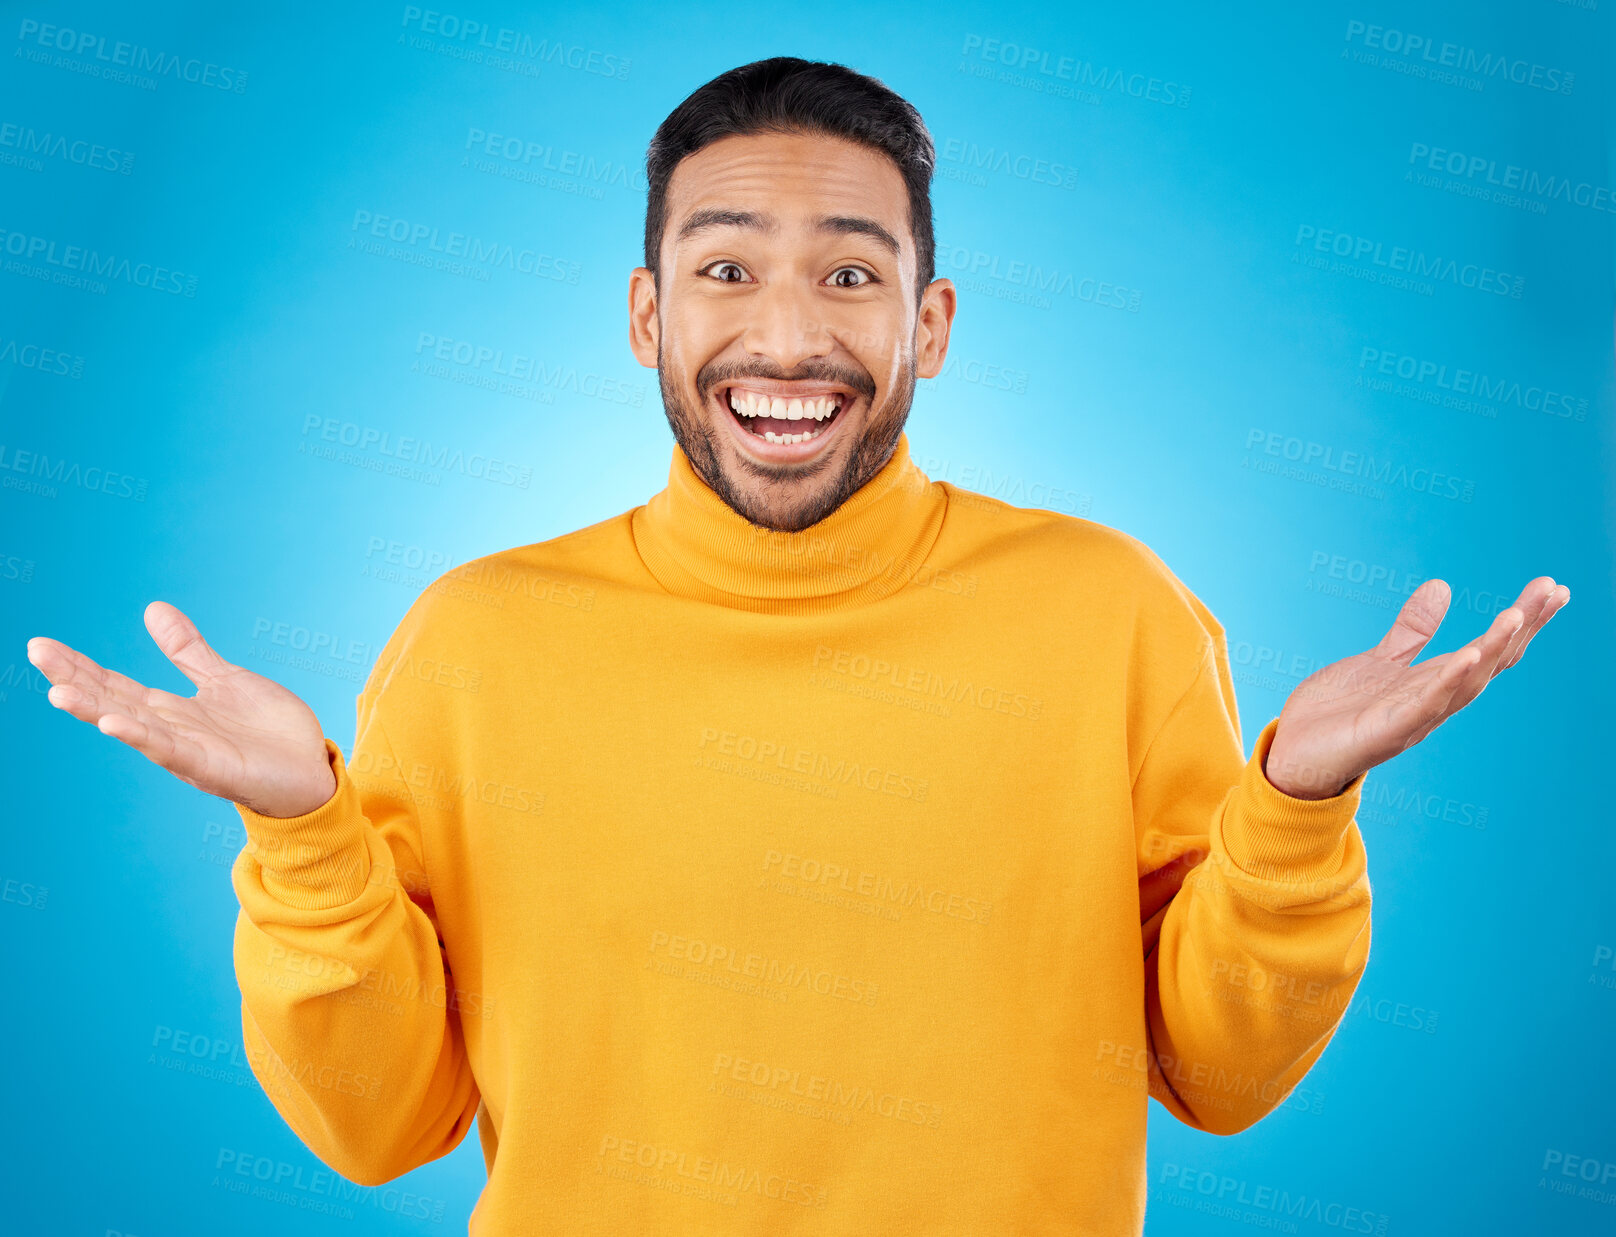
(1300, 779)
(318, 859)
(300, 801)
(1273, 835)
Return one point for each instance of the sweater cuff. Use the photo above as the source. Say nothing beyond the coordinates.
(319, 859)
(1272, 835)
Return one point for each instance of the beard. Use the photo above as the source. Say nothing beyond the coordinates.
(796, 497)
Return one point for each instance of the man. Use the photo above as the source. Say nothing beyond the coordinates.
(822, 848)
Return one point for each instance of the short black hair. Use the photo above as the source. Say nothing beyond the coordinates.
(785, 94)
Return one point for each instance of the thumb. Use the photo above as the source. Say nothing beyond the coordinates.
(182, 643)
(1416, 622)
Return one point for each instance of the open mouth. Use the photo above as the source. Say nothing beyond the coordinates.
(784, 420)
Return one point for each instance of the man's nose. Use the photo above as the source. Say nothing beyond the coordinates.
(787, 327)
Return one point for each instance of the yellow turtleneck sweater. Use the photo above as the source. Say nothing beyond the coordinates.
(863, 879)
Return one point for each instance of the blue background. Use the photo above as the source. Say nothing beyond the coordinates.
(1482, 1050)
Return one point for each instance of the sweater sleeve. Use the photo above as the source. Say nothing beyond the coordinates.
(1254, 907)
(348, 1008)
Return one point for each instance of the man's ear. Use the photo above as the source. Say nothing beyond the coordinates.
(643, 327)
(931, 331)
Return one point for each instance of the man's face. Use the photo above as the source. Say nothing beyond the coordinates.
(785, 332)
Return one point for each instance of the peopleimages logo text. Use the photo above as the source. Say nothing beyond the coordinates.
(1428, 52)
(468, 30)
(1486, 170)
(1461, 381)
(473, 249)
(974, 265)
(1414, 262)
(29, 144)
(979, 158)
(30, 249)
(132, 56)
(1082, 73)
(547, 157)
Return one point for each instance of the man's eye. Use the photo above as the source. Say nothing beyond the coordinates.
(717, 270)
(841, 282)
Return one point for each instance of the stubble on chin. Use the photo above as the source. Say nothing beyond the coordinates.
(773, 504)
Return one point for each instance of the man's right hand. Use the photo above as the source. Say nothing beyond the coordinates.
(242, 737)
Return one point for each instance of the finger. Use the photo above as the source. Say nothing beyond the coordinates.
(94, 710)
(99, 686)
(1556, 599)
(1490, 647)
(1427, 707)
(1531, 602)
(74, 702)
(158, 743)
(89, 709)
(171, 742)
(183, 644)
(150, 721)
(1416, 622)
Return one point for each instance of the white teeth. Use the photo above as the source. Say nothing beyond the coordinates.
(749, 404)
(771, 436)
(815, 409)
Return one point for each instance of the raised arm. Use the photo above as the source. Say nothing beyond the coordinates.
(1254, 892)
(1255, 914)
(348, 1010)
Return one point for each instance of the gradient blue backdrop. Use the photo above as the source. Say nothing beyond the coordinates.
(1149, 335)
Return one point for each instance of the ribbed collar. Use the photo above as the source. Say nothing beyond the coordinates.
(871, 546)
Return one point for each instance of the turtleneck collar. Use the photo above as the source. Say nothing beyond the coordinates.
(697, 546)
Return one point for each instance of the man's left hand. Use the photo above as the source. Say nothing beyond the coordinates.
(1355, 714)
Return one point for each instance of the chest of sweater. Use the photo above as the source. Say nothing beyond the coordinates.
(706, 876)
(904, 762)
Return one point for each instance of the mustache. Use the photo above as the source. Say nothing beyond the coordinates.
(812, 370)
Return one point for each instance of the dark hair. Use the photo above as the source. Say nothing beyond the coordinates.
(787, 95)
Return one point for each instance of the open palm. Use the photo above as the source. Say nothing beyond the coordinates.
(242, 737)
(1361, 711)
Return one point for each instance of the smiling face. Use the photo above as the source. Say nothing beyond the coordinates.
(786, 332)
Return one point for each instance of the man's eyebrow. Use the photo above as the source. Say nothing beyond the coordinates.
(719, 217)
(860, 225)
(723, 217)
